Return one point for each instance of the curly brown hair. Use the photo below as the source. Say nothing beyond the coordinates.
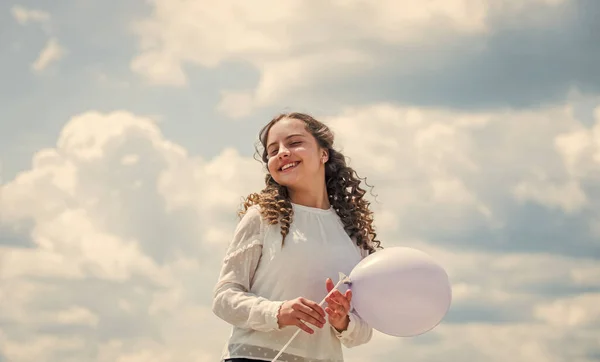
(342, 182)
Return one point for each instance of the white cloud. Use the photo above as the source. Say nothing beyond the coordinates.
(128, 230)
(24, 16)
(588, 276)
(569, 197)
(420, 161)
(300, 45)
(119, 218)
(187, 31)
(519, 342)
(578, 311)
(109, 167)
(465, 171)
(51, 53)
(236, 104)
(579, 150)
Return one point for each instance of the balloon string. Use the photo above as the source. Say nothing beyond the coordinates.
(299, 330)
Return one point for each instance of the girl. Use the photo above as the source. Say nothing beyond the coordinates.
(309, 223)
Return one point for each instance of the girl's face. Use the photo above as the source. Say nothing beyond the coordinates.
(295, 160)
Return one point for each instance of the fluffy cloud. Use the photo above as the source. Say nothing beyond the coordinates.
(117, 234)
(519, 342)
(421, 53)
(114, 175)
(24, 16)
(51, 53)
(122, 246)
(579, 311)
(479, 179)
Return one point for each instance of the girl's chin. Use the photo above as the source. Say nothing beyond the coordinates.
(288, 181)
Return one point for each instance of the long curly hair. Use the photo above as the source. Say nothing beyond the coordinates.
(342, 182)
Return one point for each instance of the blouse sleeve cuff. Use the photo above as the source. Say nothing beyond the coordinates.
(271, 315)
(351, 326)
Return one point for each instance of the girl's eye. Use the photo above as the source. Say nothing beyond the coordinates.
(296, 143)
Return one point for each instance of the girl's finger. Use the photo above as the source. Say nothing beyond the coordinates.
(338, 308)
(329, 284)
(336, 294)
(345, 302)
(312, 308)
(342, 301)
(305, 317)
(304, 327)
(334, 316)
(334, 303)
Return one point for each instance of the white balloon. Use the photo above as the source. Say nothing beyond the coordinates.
(400, 291)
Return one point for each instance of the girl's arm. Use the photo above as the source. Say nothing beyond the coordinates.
(232, 300)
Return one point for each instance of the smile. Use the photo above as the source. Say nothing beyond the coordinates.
(289, 166)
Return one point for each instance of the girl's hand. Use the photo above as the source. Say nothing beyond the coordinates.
(297, 311)
(338, 307)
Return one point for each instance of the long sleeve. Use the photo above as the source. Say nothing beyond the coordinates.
(358, 331)
(232, 300)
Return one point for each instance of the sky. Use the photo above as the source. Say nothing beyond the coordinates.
(127, 140)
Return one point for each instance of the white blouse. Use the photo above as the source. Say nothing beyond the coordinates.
(258, 275)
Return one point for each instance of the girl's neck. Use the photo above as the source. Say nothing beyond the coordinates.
(316, 198)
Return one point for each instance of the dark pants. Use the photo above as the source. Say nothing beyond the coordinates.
(244, 360)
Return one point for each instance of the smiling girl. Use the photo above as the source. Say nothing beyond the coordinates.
(309, 223)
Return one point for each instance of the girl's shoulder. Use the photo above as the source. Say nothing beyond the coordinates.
(251, 220)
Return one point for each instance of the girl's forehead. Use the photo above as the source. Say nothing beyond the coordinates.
(285, 128)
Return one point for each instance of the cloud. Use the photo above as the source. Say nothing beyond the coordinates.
(236, 104)
(490, 175)
(25, 16)
(115, 174)
(578, 311)
(51, 53)
(255, 34)
(569, 197)
(496, 343)
(122, 250)
(126, 230)
(453, 53)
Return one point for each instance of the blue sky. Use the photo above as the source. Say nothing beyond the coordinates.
(127, 137)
